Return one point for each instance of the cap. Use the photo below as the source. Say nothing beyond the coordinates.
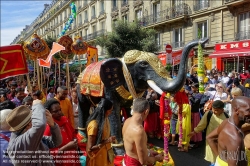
(218, 104)
(247, 85)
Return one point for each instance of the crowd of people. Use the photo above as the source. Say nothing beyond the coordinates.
(45, 121)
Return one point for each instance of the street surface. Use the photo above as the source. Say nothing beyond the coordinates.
(194, 157)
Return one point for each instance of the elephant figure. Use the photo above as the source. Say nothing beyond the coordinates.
(125, 79)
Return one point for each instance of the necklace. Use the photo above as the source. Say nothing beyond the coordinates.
(236, 127)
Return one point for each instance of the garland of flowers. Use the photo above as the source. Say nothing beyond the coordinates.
(201, 67)
(180, 126)
(166, 130)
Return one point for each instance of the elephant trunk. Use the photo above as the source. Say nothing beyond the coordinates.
(176, 84)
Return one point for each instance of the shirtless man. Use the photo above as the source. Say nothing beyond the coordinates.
(227, 141)
(135, 138)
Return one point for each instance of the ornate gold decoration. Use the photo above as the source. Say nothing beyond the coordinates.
(129, 81)
(107, 70)
(133, 56)
(123, 93)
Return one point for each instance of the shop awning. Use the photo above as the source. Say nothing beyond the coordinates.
(175, 57)
(231, 49)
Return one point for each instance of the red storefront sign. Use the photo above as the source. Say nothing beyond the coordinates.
(231, 49)
(176, 56)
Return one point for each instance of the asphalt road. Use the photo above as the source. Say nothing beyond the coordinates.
(194, 157)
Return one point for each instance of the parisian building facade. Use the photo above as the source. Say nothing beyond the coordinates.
(176, 21)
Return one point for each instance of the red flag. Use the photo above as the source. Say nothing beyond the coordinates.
(12, 61)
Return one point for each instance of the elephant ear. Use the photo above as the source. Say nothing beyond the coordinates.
(111, 73)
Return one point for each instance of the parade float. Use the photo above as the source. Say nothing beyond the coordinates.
(119, 78)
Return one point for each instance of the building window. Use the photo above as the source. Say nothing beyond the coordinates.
(86, 32)
(93, 29)
(124, 2)
(114, 3)
(177, 2)
(102, 25)
(85, 15)
(244, 26)
(178, 38)
(93, 12)
(80, 19)
(138, 14)
(201, 4)
(80, 33)
(102, 6)
(125, 18)
(156, 11)
(202, 30)
(157, 39)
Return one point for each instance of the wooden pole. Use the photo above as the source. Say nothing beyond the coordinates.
(38, 74)
(29, 85)
(34, 71)
(48, 79)
(41, 74)
(68, 77)
(59, 70)
(55, 73)
(80, 63)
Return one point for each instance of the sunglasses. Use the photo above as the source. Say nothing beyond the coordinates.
(219, 86)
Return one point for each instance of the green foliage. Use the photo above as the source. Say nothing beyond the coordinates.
(128, 36)
(199, 33)
(50, 41)
(168, 67)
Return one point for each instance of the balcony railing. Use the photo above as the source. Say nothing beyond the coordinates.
(94, 34)
(114, 8)
(227, 1)
(167, 14)
(86, 21)
(201, 5)
(243, 35)
(102, 12)
(178, 44)
(124, 3)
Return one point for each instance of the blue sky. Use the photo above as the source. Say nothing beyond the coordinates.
(15, 15)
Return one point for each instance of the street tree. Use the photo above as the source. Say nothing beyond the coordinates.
(127, 36)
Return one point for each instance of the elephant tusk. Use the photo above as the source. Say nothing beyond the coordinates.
(153, 85)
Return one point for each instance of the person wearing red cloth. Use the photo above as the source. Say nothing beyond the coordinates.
(135, 137)
(66, 154)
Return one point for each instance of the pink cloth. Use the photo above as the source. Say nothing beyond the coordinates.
(195, 121)
(151, 122)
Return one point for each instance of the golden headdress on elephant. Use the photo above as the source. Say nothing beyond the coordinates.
(133, 56)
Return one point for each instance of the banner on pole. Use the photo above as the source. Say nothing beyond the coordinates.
(12, 61)
(55, 48)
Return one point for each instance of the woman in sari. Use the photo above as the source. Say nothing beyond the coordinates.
(99, 148)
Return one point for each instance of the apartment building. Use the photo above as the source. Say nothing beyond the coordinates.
(176, 21)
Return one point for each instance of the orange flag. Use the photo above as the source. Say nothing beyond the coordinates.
(55, 48)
